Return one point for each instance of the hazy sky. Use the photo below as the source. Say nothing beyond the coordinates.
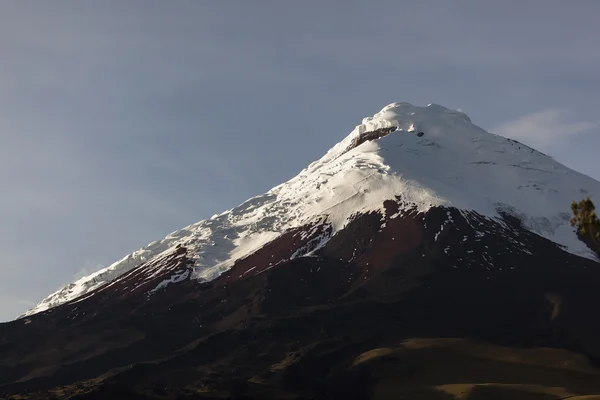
(121, 121)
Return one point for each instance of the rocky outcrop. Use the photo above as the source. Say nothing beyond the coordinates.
(372, 135)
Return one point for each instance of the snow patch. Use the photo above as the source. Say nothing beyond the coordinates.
(177, 277)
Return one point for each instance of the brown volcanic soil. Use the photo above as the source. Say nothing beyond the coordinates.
(383, 311)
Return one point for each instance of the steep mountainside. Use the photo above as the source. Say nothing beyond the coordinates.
(420, 258)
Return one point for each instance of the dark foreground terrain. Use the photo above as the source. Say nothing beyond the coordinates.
(388, 309)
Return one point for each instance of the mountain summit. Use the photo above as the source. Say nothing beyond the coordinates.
(421, 256)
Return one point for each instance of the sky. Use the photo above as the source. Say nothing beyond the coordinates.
(123, 121)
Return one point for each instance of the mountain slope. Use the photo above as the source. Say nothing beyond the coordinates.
(420, 258)
(427, 156)
(347, 322)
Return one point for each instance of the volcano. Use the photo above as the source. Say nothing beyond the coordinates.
(420, 258)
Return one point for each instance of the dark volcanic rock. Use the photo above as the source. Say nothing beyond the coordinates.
(434, 306)
(371, 135)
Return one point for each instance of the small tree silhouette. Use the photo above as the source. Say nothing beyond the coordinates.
(586, 221)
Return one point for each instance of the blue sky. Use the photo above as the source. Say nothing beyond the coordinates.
(123, 121)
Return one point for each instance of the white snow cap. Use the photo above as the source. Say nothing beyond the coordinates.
(435, 157)
(401, 115)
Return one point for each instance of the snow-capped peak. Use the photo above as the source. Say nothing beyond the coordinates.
(427, 156)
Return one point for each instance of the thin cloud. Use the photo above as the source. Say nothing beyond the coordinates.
(544, 128)
(89, 266)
